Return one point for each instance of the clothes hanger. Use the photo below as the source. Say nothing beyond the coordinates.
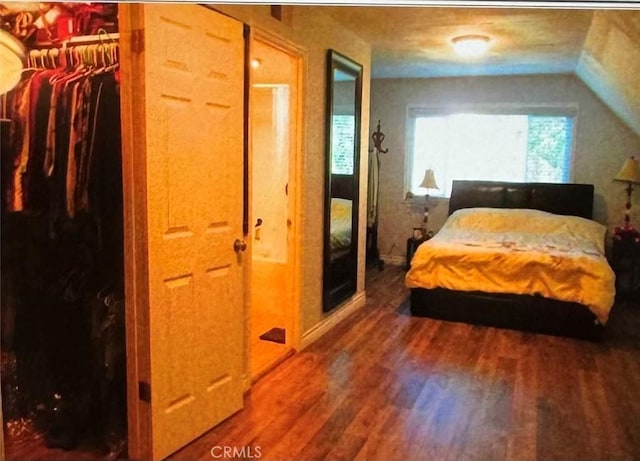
(112, 46)
(99, 56)
(43, 63)
(73, 69)
(32, 61)
(113, 56)
(54, 53)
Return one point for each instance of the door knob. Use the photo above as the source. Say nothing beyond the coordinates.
(239, 245)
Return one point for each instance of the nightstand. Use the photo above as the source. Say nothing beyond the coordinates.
(625, 262)
(412, 245)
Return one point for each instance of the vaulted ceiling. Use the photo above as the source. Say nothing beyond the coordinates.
(601, 47)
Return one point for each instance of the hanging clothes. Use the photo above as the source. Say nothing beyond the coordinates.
(55, 117)
(62, 218)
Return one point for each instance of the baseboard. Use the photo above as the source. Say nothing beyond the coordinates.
(332, 320)
(394, 260)
(273, 365)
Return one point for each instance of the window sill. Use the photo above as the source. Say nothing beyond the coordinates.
(420, 199)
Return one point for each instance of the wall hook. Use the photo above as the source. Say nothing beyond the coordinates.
(378, 137)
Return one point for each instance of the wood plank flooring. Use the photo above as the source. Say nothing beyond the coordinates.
(387, 386)
(384, 385)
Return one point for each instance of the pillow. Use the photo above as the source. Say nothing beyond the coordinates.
(501, 220)
(340, 208)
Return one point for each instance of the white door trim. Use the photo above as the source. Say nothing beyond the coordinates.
(295, 189)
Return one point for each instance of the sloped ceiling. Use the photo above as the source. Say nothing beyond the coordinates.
(610, 63)
(602, 47)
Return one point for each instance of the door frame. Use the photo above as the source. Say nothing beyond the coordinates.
(136, 241)
(135, 218)
(134, 181)
(296, 156)
(131, 29)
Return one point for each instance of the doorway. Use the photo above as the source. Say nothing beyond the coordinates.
(275, 142)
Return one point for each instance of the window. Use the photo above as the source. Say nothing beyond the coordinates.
(517, 147)
(344, 130)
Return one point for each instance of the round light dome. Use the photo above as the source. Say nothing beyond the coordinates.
(471, 46)
(11, 56)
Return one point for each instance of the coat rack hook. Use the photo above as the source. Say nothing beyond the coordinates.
(378, 137)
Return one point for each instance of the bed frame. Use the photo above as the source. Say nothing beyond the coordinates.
(518, 312)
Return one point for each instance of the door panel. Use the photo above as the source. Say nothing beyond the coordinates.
(194, 61)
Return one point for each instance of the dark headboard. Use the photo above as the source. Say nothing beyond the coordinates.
(564, 199)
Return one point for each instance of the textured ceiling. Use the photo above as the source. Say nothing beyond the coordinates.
(602, 47)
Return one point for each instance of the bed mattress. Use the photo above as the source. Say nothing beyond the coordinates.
(518, 251)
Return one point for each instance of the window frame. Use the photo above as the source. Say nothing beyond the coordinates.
(421, 110)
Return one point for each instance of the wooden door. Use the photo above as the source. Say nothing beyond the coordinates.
(185, 199)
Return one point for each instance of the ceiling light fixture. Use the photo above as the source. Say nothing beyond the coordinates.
(255, 63)
(470, 46)
(11, 57)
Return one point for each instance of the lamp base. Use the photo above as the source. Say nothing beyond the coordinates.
(626, 232)
(419, 233)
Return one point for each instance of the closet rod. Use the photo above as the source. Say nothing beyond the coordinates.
(105, 38)
(92, 39)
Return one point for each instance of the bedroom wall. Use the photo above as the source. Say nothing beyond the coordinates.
(316, 32)
(602, 143)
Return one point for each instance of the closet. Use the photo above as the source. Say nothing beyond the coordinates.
(62, 287)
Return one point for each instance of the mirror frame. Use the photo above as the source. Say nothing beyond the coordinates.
(340, 276)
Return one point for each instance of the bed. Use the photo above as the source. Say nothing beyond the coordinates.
(340, 254)
(340, 227)
(519, 256)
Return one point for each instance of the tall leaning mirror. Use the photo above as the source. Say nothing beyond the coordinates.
(344, 95)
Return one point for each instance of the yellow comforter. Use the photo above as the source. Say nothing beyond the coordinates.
(340, 228)
(520, 252)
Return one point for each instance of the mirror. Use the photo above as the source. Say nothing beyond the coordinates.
(344, 95)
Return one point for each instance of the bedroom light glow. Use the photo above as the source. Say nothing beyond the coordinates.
(11, 56)
(471, 46)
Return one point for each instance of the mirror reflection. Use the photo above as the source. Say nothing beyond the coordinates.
(343, 123)
(342, 179)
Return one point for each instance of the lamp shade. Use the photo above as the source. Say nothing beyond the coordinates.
(629, 171)
(11, 56)
(429, 181)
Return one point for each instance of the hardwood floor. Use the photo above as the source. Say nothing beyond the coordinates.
(384, 385)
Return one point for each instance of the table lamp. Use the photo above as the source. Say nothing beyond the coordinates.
(628, 173)
(429, 182)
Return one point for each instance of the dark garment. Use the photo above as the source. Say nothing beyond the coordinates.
(105, 182)
(35, 190)
(18, 113)
(57, 181)
(6, 171)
